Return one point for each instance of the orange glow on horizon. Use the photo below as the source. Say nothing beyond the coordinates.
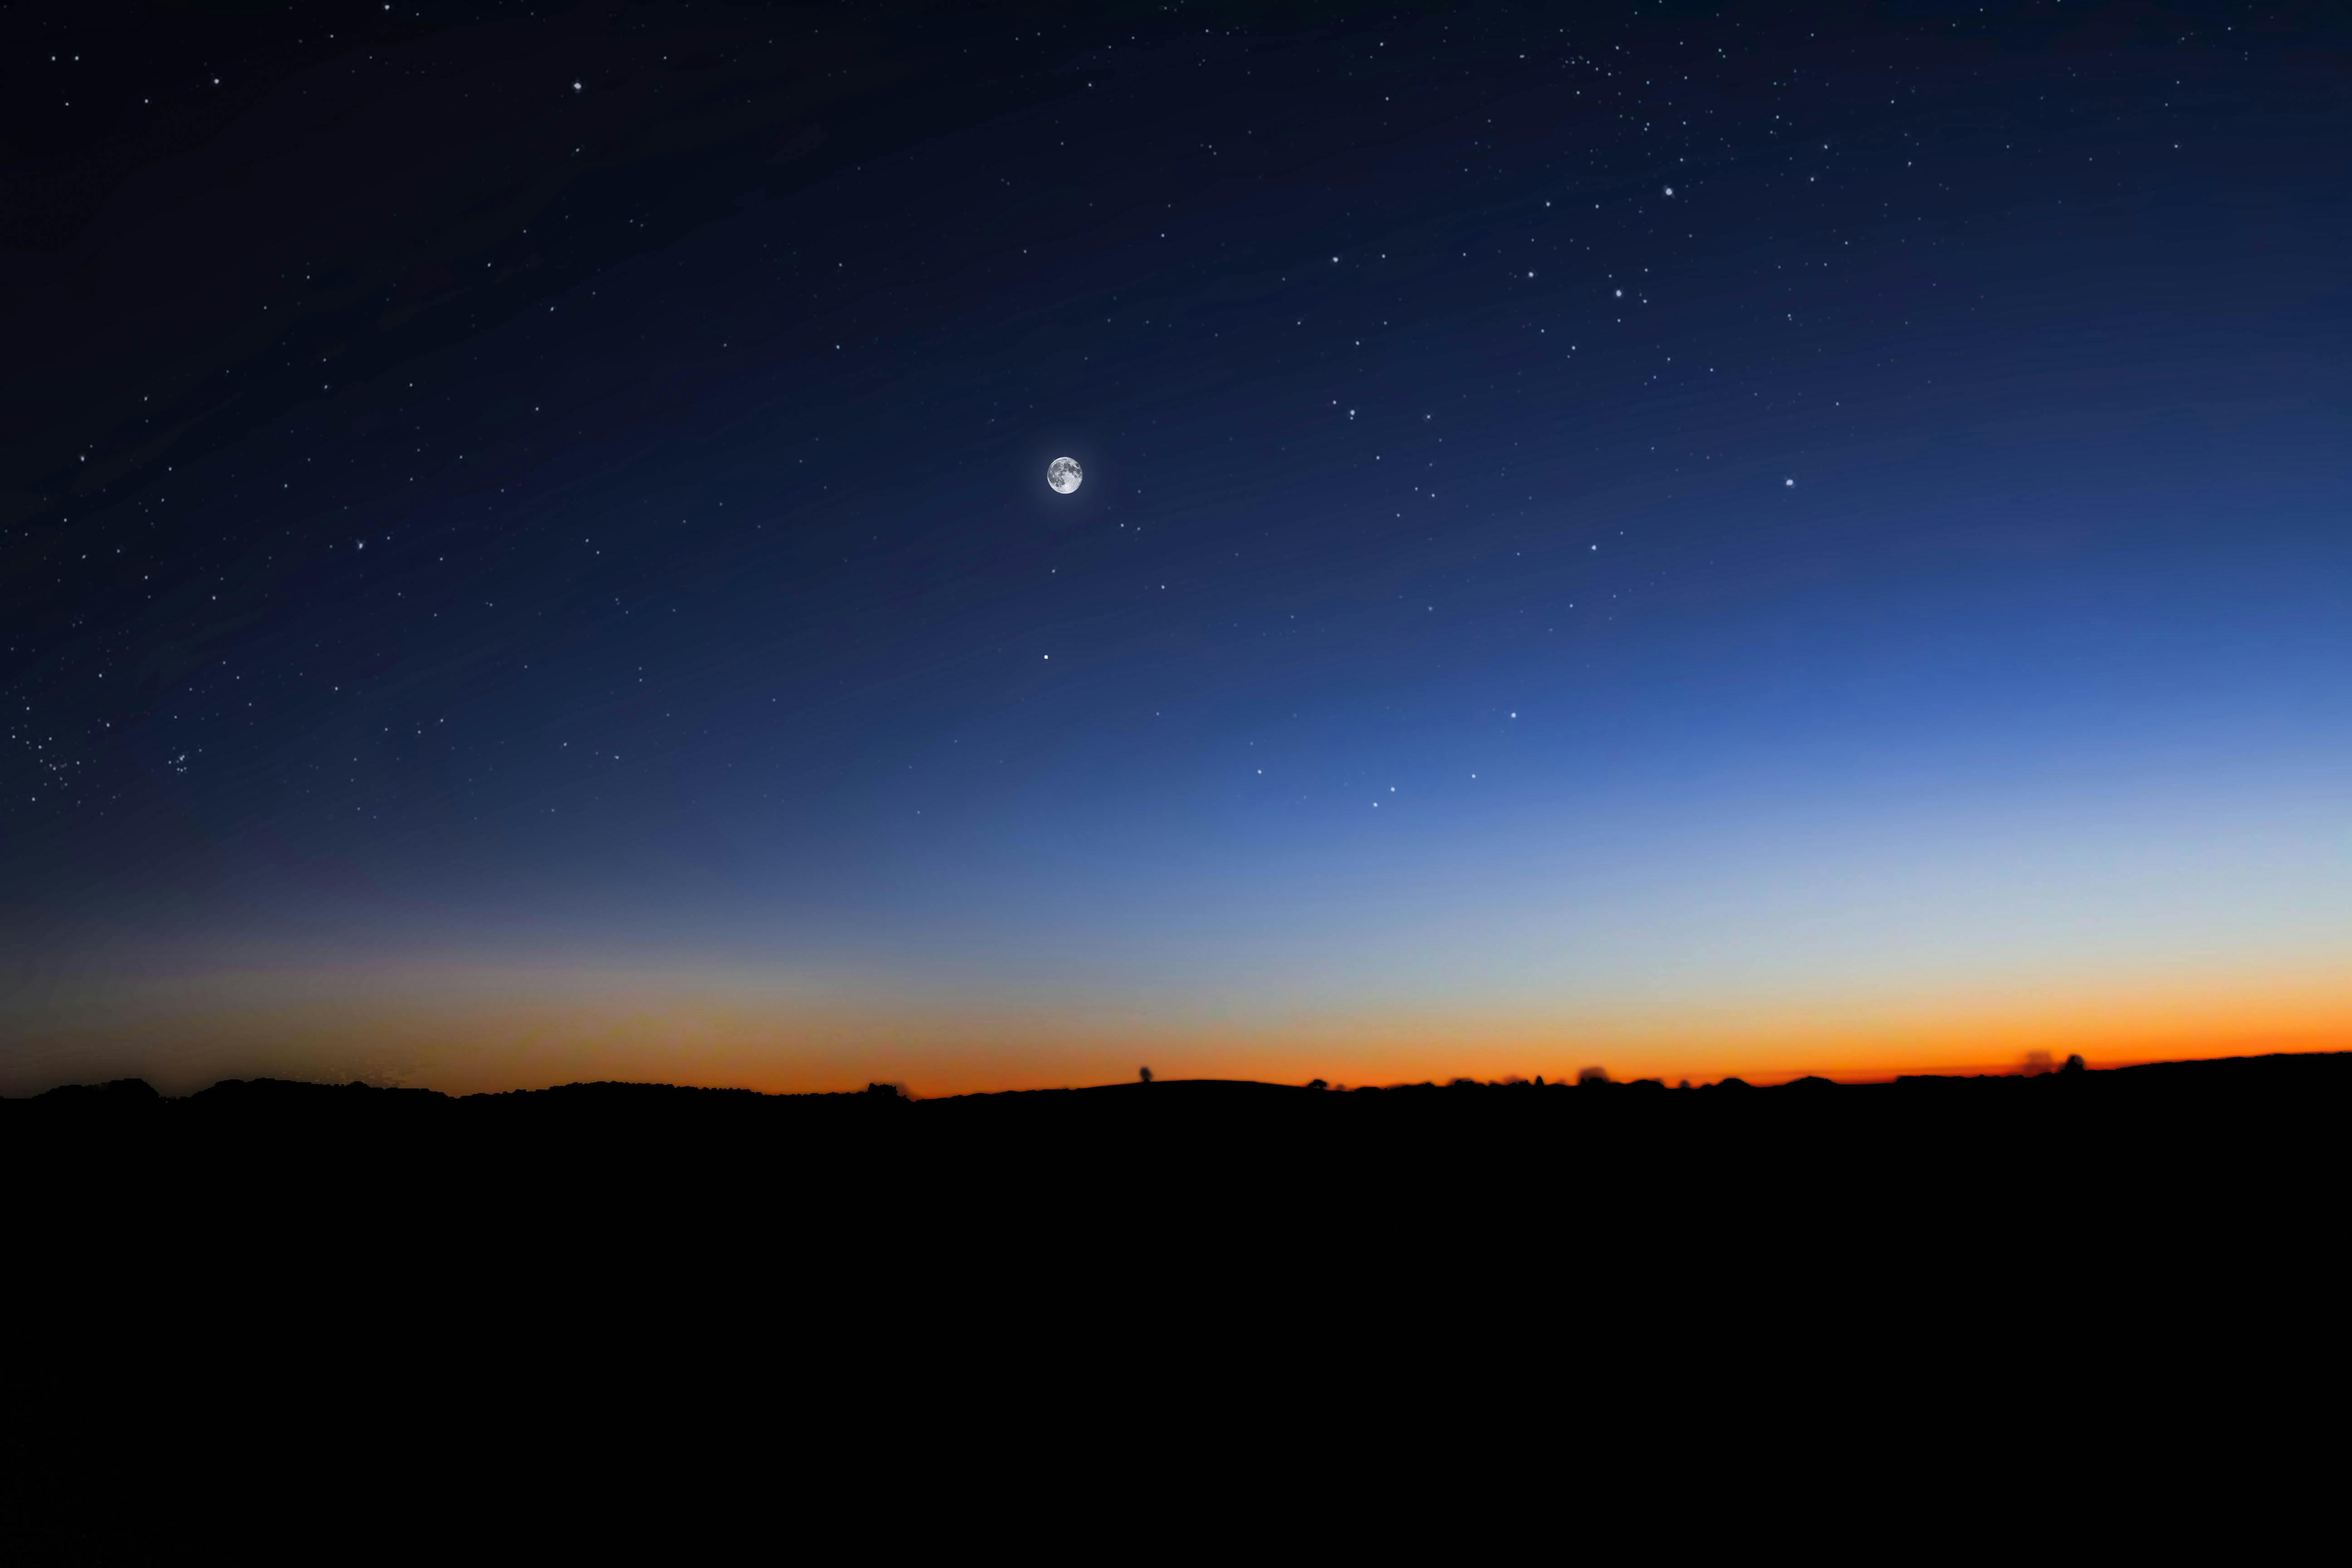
(468, 1031)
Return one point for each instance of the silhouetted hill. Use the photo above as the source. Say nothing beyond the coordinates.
(311, 1249)
(263, 1153)
(288, 1106)
(631, 1144)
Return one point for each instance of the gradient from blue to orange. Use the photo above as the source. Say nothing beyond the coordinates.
(1884, 605)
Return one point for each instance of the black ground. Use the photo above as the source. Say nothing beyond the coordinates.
(324, 1321)
(120, 1156)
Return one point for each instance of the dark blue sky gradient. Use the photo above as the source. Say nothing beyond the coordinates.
(1435, 623)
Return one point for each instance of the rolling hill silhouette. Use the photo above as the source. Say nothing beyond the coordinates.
(629, 1144)
(344, 1277)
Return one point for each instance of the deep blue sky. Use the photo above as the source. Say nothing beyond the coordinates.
(1584, 514)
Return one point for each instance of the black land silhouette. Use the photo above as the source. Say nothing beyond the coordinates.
(344, 1277)
(583, 1147)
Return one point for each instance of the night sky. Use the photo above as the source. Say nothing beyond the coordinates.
(1693, 539)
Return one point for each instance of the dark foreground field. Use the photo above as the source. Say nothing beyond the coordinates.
(874, 1204)
(270, 1315)
(1155, 1155)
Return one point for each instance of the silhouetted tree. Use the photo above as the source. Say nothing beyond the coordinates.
(1591, 1077)
(2074, 1064)
(1145, 1074)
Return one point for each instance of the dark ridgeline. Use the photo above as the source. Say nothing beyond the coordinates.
(608, 1171)
(262, 1163)
(874, 1202)
(803, 1289)
(583, 1143)
(291, 1107)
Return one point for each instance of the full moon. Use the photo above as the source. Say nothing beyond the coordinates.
(1064, 475)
